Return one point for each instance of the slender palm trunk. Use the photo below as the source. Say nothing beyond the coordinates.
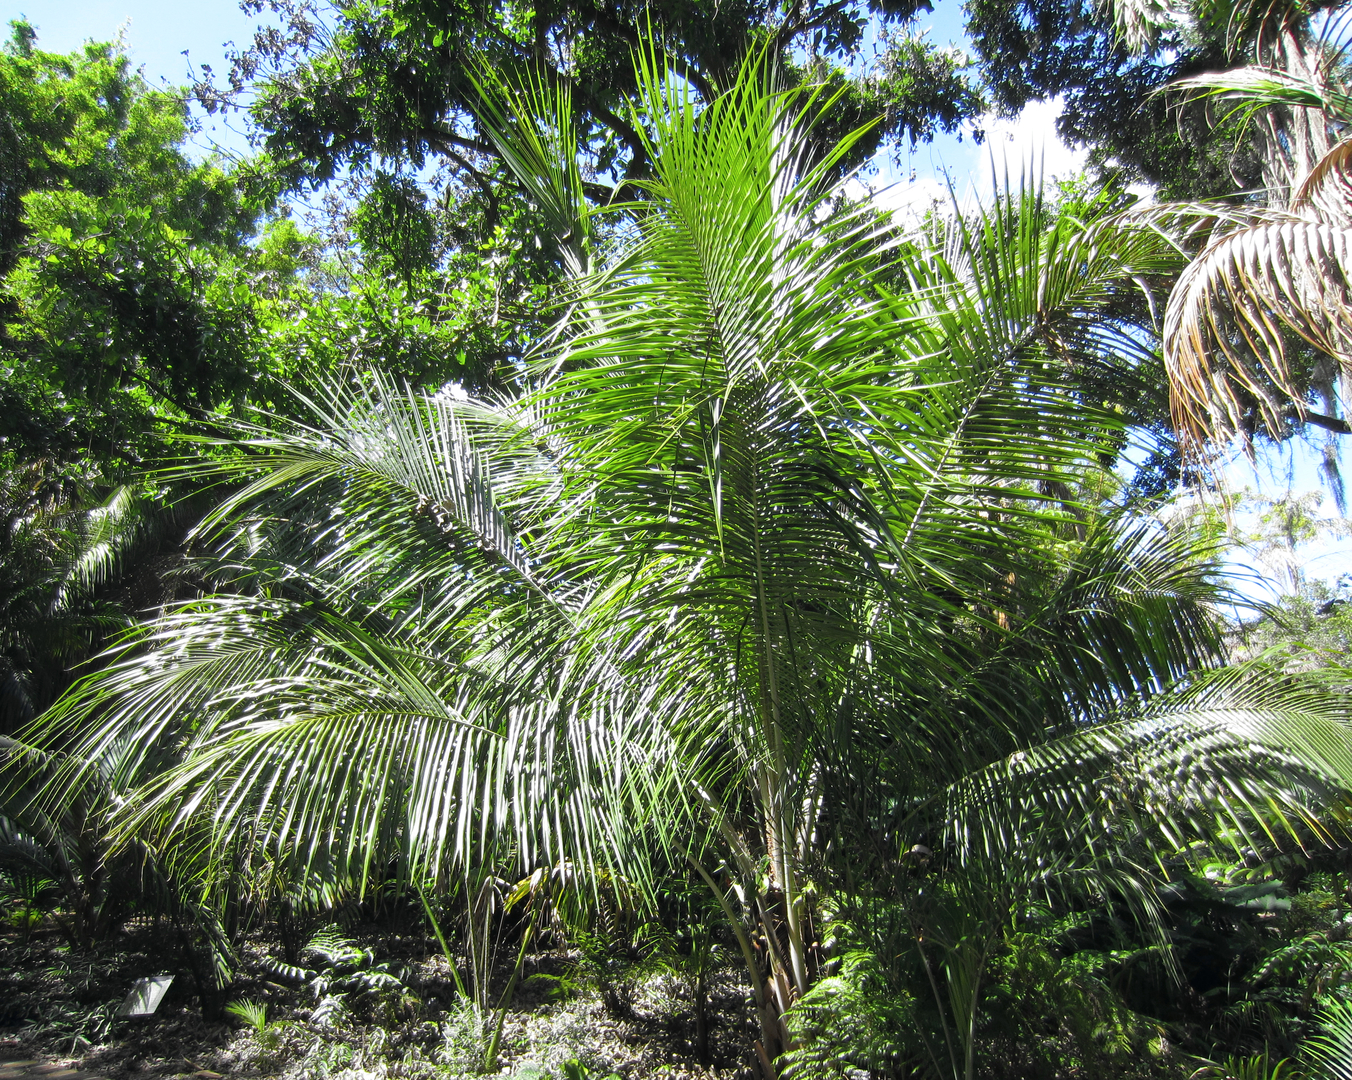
(776, 799)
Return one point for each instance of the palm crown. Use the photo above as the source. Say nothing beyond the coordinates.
(796, 536)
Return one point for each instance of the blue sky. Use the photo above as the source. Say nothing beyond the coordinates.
(157, 32)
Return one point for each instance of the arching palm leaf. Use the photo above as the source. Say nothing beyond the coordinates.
(1266, 278)
(797, 494)
(1237, 300)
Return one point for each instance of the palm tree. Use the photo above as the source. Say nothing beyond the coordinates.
(793, 504)
(70, 555)
(1271, 282)
(1263, 278)
(75, 562)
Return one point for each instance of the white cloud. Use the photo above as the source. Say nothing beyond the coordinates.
(1029, 142)
(909, 200)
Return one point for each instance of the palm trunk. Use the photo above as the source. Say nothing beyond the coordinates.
(1295, 138)
(776, 798)
(768, 1013)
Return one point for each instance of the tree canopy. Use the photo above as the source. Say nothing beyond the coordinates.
(122, 298)
(359, 82)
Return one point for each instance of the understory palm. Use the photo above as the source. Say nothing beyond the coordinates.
(798, 540)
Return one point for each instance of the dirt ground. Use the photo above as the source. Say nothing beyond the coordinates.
(393, 1013)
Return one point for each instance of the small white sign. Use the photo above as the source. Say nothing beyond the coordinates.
(145, 996)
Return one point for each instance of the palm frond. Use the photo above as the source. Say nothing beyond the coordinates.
(1327, 191)
(1236, 301)
(1254, 88)
(533, 126)
(1239, 760)
(1330, 1050)
(109, 535)
(1139, 22)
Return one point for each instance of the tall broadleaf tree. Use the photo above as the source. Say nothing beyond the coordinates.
(125, 303)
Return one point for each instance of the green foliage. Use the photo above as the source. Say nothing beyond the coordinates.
(83, 1027)
(134, 304)
(449, 330)
(1054, 1002)
(572, 1069)
(851, 1021)
(28, 891)
(253, 1013)
(462, 1040)
(68, 847)
(122, 298)
(73, 561)
(620, 944)
(1309, 632)
(342, 975)
(1032, 50)
(395, 81)
(1330, 1050)
(1254, 1067)
(913, 90)
(267, 1036)
(392, 89)
(329, 1057)
(576, 1070)
(791, 559)
(394, 226)
(283, 252)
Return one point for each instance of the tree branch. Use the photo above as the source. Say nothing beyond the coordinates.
(796, 23)
(1335, 424)
(686, 70)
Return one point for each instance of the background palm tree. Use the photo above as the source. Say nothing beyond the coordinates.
(800, 540)
(76, 562)
(1268, 276)
(1258, 329)
(73, 572)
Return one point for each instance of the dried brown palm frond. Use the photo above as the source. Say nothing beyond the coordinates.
(1230, 314)
(1267, 281)
(1327, 191)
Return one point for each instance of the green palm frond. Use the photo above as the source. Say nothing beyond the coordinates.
(533, 126)
(1256, 88)
(800, 501)
(1330, 1051)
(108, 529)
(1256, 1067)
(1240, 760)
